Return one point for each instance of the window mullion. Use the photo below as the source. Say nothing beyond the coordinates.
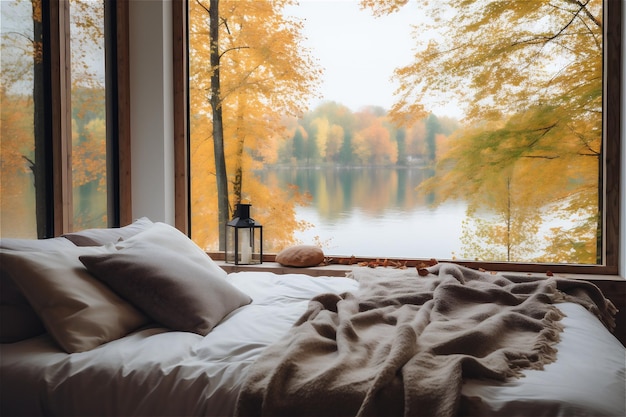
(61, 118)
(612, 152)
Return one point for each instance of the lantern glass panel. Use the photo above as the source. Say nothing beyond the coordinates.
(244, 245)
(230, 244)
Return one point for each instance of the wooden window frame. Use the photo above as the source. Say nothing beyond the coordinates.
(611, 149)
(182, 194)
(119, 206)
(60, 115)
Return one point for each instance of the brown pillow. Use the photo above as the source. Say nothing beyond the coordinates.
(300, 256)
(103, 236)
(171, 289)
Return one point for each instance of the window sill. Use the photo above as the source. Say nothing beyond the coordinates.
(338, 270)
(275, 267)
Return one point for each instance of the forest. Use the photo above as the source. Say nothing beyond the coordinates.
(334, 135)
(527, 153)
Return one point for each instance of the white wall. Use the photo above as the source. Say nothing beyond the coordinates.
(151, 99)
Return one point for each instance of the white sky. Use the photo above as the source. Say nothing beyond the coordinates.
(358, 51)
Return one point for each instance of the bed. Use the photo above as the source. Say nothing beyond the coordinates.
(219, 366)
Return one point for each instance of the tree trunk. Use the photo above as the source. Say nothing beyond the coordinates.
(218, 128)
(239, 140)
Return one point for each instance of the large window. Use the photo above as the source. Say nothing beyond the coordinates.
(23, 148)
(526, 174)
(58, 105)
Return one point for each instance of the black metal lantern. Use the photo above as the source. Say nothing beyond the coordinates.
(244, 238)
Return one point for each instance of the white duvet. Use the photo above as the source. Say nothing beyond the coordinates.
(155, 372)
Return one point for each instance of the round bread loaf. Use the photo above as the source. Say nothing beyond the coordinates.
(300, 256)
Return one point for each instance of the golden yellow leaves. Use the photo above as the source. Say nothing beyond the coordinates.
(265, 73)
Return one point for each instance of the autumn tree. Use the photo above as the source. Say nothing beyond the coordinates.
(321, 127)
(372, 143)
(509, 232)
(264, 74)
(340, 125)
(432, 129)
(529, 77)
(401, 141)
(334, 142)
(311, 152)
(346, 151)
(298, 145)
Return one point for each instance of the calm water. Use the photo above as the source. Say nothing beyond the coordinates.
(374, 212)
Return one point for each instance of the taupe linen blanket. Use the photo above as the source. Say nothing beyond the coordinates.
(403, 344)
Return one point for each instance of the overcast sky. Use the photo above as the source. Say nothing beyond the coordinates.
(359, 52)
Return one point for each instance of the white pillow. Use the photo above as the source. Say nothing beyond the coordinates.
(29, 245)
(166, 236)
(103, 236)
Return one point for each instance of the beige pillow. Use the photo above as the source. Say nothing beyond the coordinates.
(18, 320)
(78, 311)
(300, 256)
(103, 236)
(167, 276)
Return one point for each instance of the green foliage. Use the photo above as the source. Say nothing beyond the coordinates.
(298, 146)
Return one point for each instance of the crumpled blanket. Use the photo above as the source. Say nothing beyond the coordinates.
(403, 344)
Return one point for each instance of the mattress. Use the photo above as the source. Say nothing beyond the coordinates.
(157, 372)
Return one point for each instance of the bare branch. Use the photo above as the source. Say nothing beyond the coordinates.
(206, 9)
(583, 7)
(233, 49)
(20, 35)
(576, 15)
(585, 142)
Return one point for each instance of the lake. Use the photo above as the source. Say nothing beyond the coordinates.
(374, 212)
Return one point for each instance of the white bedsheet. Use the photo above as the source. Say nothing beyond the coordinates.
(157, 372)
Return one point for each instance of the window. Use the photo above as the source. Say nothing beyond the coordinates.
(88, 107)
(23, 148)
(59, 106)
(264, 74)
